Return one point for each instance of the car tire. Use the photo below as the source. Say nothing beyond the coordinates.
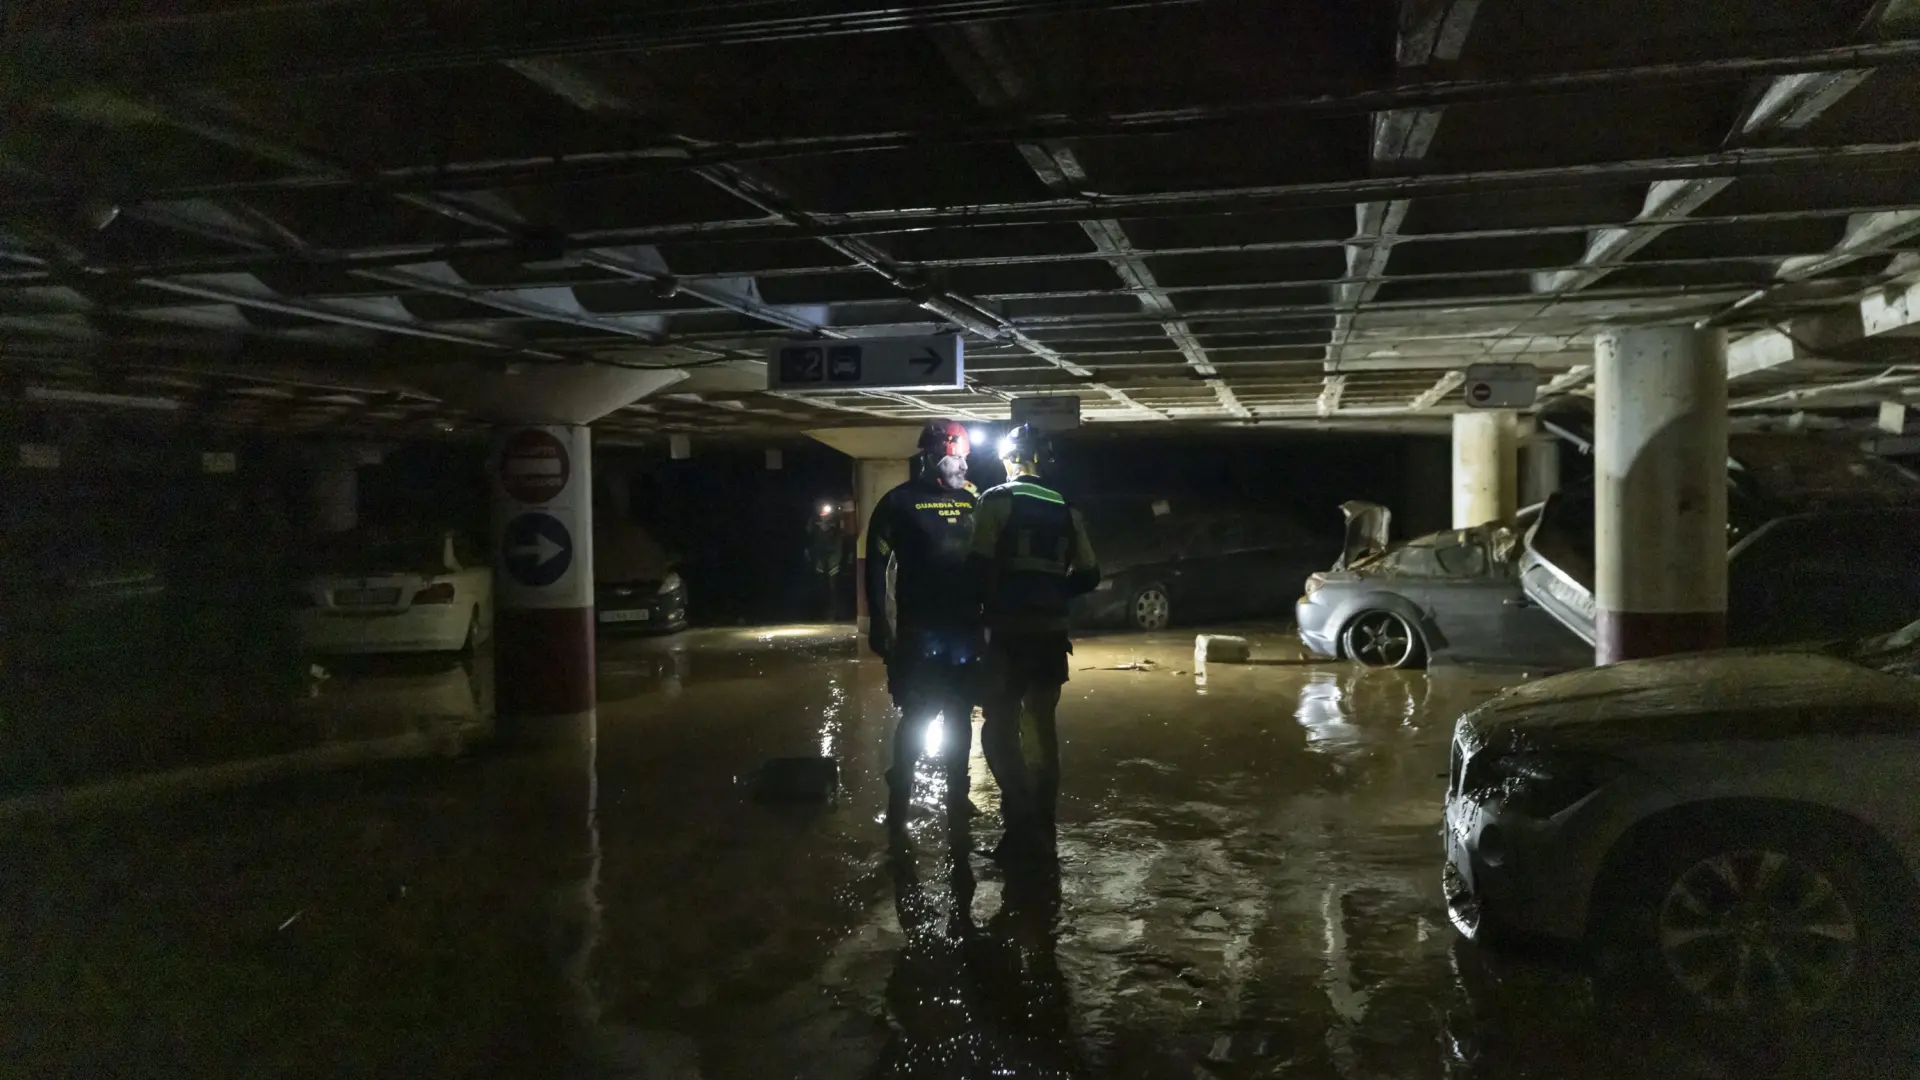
(1757, 918)
(1150, 608)
(1382, 639)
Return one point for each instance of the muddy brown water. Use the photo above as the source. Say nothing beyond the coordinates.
(1248, 887)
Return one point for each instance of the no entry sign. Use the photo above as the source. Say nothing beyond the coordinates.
(534, 467)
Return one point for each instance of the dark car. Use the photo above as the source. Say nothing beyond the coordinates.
(1736, 827)
(635, 584)
(1821, 543)
(1452, 595)
(1168, 560)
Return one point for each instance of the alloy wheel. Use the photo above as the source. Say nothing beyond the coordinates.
(1381, 639)
(1152, 610)
(1758, 931)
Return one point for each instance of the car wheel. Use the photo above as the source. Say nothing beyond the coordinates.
(1769, 920)
(1382, 639)
(1151, 608)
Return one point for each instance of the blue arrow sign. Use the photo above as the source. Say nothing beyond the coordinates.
(536, 550)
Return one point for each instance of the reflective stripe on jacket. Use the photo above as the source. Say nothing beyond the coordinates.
(1031, 556)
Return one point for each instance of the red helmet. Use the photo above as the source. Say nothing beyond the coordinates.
(945, 438)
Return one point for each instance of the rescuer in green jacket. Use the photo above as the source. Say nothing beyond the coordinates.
(1030, 558)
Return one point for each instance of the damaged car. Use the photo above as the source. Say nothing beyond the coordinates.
(1820, 545)
(1735, 830)
(1452, 595)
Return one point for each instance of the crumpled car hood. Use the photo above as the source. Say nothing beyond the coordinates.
(1730, 695)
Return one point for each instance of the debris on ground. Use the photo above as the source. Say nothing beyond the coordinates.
(1221, 649)
(293, 918)
(1133, 665)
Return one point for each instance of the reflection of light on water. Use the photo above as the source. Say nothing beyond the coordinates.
(1323, 710)
(830, 716)
(777, 632)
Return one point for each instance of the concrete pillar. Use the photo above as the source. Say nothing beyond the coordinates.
(334, 498)
(872, 479)
(1660, 492)
(879, 465)
(1541, 475)
(543, 579)
(1485, 466)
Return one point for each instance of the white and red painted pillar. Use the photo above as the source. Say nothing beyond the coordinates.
(1660, 492)
(543, 570)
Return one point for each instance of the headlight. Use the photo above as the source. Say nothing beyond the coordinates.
(1535, 783)
(1314, 581)
(669, 583)
(1105, 585)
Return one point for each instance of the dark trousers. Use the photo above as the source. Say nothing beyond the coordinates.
(931, 675)
(1024, 674)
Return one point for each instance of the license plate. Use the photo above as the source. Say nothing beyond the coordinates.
(365, 597)
(634, 615)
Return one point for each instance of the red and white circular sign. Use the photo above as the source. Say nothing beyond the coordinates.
(534, 467)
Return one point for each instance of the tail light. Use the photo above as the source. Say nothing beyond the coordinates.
(435, 594)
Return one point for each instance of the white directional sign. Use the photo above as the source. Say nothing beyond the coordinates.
(916, 363)
(1055, 412)
(1501, 386)
(541, 529)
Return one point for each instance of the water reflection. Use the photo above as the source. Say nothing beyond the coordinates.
(970, 1000)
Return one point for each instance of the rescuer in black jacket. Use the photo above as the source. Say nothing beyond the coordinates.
(924, 528)
(1030, 558)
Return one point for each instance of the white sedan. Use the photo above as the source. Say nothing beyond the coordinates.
(406, 596)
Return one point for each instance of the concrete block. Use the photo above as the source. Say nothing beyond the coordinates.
(1221, 649)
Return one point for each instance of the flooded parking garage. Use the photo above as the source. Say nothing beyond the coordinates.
(1248, 886)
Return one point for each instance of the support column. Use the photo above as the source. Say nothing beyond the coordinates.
(1541, 476)
(543, 580)
(1660, 492)
(872, 479)
(1486, 467)
(879, 465)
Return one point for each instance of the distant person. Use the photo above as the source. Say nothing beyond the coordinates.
(1031, 556)
(827, 544)
(924, 528)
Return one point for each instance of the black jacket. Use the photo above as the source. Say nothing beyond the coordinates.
(926, 532)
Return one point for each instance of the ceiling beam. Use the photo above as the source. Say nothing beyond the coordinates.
(1431, 32)
(1787, 104)
(980, 59)
(1431, 396)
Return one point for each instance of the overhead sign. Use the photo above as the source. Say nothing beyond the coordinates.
(536, 549)
(1055, 412)
(1501, 386)
(916, 363)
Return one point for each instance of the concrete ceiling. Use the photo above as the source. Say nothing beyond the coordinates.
(1184, 211)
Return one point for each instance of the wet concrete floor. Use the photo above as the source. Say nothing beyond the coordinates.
(1248, 887)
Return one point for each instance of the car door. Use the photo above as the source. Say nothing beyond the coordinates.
(1469, 605)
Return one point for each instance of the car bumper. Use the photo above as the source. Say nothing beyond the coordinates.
(332, 633)
(1509, 876)
(1317, 632)
(640, 612)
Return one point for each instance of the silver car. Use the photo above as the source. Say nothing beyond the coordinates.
(1739, 828)
(1448, 595)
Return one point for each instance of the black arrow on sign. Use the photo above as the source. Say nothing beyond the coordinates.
(931, 361)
